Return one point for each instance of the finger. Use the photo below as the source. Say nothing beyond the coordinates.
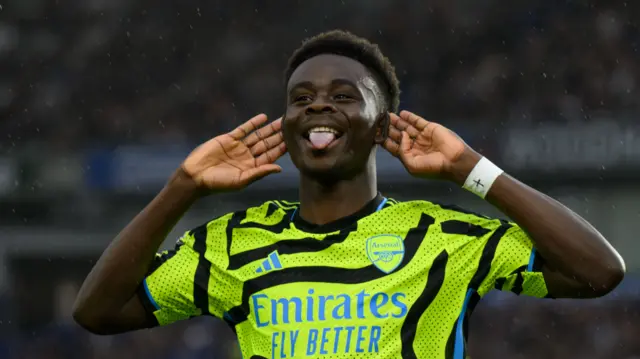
(254, 174)
(405, 143)
(267, 144)
(272, 155)
(395, 134)
(393, 119)
(263, 132)
(414, 120)
(392, 146)
(246, 128)
(404, 126)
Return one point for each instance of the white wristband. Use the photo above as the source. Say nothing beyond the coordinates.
(482, 177)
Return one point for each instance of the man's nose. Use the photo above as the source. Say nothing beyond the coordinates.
(320, 107)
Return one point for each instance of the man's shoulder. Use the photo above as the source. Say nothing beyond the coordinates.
(265, 213)
(438, 210)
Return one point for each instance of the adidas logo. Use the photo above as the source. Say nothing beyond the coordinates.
(271, 263)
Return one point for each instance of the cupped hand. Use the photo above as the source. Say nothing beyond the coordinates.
(236, 159)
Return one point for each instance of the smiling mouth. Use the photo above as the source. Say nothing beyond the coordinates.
(322, 137)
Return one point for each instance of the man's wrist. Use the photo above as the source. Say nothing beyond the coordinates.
(182, 185)
(460, 170)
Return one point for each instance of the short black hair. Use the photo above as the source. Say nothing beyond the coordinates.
(343, 43)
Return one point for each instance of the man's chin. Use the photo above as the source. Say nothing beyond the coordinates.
(328, 172)
(322, 169)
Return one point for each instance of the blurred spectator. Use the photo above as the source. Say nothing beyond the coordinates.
(113, 72)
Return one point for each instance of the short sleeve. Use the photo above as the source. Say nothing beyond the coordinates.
(169, 286)
(515, 267)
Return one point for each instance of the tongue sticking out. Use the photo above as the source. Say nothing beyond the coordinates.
(321, 140)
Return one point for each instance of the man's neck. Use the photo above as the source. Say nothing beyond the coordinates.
(322, 204)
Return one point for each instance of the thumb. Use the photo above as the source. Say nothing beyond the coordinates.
(260, 172)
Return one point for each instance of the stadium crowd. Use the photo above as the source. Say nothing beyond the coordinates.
(110, 72)
(100, 73)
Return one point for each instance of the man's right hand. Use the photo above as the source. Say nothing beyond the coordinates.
(236, 159)
(108, 302)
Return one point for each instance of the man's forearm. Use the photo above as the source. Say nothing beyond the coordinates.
(115, 277)
(567, 242)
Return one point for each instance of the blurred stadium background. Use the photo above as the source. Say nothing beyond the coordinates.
(101, 99)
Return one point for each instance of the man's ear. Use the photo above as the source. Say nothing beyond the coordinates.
(382, 128)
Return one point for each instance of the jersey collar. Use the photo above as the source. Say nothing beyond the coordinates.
(371, 207)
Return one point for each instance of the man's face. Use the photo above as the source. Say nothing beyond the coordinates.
(335, 115)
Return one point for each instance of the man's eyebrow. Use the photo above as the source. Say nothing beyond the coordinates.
(335, 82)
(303, 84)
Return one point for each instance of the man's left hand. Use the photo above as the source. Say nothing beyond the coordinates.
(428, 149)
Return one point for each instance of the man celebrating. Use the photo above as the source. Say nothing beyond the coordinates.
(346, 272)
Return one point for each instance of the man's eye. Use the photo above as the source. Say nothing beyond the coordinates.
(342, 97)
(303, 98)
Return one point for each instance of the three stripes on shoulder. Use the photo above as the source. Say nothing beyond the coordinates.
(271, 263)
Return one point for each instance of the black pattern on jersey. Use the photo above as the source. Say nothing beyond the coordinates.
(238, 217)
(163, 257)
(484, 267)
(271, 209)
(488, 253)
(236, 222)
(203, 270)
(435, 279)
(328, 274)
(519, 272)
(285, 246)
(463, 228)
(453, 207)
(517, 284)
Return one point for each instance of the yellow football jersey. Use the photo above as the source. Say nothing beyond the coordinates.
(395, 280)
